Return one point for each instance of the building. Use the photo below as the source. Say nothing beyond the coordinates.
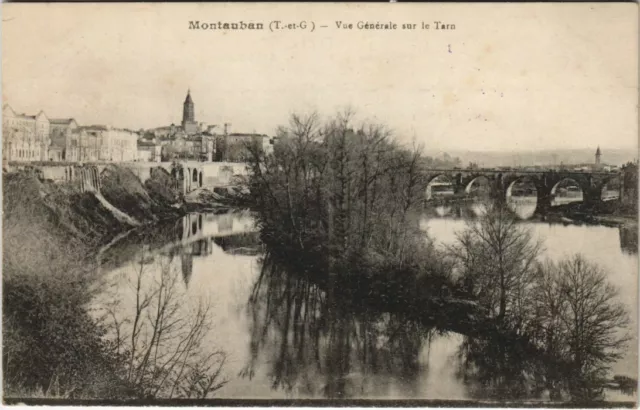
(598, 155)
(149, 151)
(102, 143)
(189, 125)
(39, 138)
(88, 140)
(24, 137)
(234, 147)
(64, 140)
(199, 147)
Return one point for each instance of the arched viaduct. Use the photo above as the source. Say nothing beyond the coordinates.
(546, 182)
(187, 175)
(190, 175)
(87, 176)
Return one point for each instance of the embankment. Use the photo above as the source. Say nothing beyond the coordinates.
(50, 234)
(63, 212)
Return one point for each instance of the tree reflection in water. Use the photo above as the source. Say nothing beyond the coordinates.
(496, 369)
(326, 347)
(340, 348)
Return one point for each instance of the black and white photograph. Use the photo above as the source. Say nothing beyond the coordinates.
(338, 204)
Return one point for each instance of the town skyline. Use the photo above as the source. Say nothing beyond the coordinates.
(450, 91)
(201, 116)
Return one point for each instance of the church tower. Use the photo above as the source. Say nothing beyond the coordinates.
(189, 125)
(188, 109)
(598, 155)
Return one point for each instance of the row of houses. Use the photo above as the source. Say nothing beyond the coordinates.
(28, 138)
(33, 138)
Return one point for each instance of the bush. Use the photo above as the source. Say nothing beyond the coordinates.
(50, 342)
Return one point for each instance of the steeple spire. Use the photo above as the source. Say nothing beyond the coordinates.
(188, 111)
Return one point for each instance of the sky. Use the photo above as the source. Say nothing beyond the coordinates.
(509, 77)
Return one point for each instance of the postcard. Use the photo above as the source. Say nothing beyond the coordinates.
(320, 204)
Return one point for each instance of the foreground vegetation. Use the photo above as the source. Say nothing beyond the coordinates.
(54, 344)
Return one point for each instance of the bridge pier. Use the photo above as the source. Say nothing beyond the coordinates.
(544, 198)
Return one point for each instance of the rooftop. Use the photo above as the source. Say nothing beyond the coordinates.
(61, 121)
(143, 143)
(237, 134)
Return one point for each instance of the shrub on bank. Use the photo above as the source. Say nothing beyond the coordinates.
(50, 343)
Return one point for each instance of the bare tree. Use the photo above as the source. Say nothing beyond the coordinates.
(161, 340)
(497, 258)
(583, 321)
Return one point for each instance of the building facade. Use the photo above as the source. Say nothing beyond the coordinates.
(64, 140)
(235, 147)
(102, 143)
(199, 147)
(24, 137)
(149, 151)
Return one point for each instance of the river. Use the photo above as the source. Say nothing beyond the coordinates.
(218, 258)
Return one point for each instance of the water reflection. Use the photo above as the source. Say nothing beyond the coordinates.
(194, 234)
(629, 239)
(524, 207)
(600, 244)
(319, 347)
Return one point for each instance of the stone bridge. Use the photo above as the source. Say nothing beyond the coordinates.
(501, 182)
(190, 175)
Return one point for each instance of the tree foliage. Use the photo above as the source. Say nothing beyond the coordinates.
(337, 189)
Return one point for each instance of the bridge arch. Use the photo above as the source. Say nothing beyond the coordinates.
(433, 178)
(521, 180)
(437, 181)
(475, 180)
(557, 185)
(195, 175)
(611, 188)
(526, 203)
